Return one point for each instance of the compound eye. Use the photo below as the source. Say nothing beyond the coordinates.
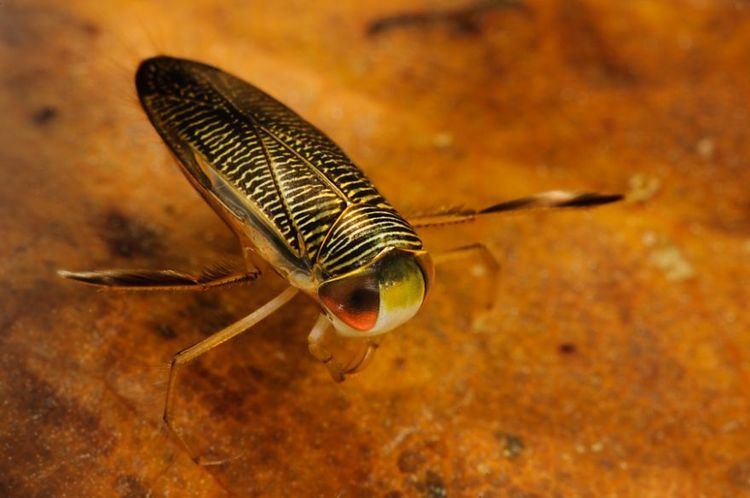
(355, 300)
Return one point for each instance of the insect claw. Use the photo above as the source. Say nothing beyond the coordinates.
(336, 372)
(364, 360)
(340, 373)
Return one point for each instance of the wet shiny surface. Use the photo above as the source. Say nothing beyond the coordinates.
(617, 358)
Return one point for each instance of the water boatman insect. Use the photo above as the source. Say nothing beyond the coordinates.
(295, 200)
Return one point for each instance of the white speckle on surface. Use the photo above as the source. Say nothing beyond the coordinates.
(706, 147)
(478, 271)
(649, 239)
(484, 469)
(442, 140)
(671, 261)
(642, 188)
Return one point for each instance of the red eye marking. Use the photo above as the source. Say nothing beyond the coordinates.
(355, 301)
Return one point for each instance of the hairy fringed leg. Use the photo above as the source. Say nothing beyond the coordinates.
(191, 353)
(161, 280)
(554, 199)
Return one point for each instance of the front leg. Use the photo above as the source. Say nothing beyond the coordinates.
(330, 349)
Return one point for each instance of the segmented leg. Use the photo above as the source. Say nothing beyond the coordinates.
(316, 343)
(491, 266)
(155, 280)
(191, 353)
(554, 199)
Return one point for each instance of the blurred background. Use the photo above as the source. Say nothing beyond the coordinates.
(616, 361)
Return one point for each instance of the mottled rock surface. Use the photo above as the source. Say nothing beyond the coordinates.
(615, 363)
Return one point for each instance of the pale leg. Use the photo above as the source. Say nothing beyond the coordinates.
(191, 353)
(491, 266)
(315, 343)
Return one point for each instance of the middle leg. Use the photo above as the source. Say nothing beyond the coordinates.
(191, 353)
(489, 262)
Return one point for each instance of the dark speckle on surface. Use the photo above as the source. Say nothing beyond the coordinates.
(44, 115)
(165, 330)
(128, 486)
(434, 486)
(739, 474)
(126, 237)
(588, 49)
(208, 313)
(567, 348)
(409, 461)
(512, 445)
(90, 28)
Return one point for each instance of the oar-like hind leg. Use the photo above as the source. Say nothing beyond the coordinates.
(554, 199)
(157, 280)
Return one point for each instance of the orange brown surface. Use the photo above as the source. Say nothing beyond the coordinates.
(615, 363)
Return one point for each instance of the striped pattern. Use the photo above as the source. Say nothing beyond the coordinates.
(361, 234)
(301, 184)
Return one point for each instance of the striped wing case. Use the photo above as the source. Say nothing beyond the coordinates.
(306, 197)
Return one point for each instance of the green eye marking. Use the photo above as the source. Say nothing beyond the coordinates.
(402, 289)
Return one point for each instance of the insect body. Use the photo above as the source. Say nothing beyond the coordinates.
(290, 193)
(294, 199)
